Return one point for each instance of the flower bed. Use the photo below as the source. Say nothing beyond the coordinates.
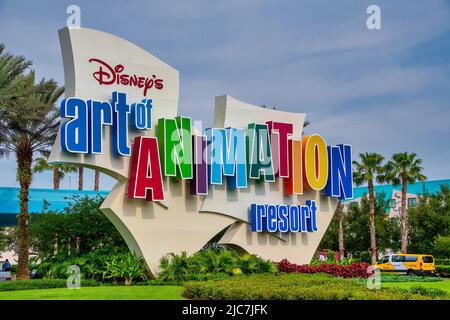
(354, 270)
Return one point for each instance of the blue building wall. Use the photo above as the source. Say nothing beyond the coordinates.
(57, 200)
(418, 188)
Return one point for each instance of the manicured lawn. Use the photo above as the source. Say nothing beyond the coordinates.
(443, 285)
(174, 292)
(98, 293)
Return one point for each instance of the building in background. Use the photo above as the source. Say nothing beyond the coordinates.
(41, 200)
(393, 194)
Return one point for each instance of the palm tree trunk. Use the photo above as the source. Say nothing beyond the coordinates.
(373, 242)
(24, 156)
(341, 231)
(97, 180)
(80, 178)
(404, 217)
(56, 177)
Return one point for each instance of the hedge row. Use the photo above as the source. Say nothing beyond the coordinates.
(445, 262)
(354, 270)
(42, 284)
(443, 270)
(300, 287)
(387, 277)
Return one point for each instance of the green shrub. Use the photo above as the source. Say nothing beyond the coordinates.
(410, 278)
(211, 264)
(315, 261)
(124, 267)
(364, 256)
(443, 270)
(428, 292)
(445, 262)
(441, 247)
(299, 287)
(348, 261)
(42, 284)
(331, 257)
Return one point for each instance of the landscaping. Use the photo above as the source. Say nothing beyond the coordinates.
(443, 267)
(354, 270)
(82, 236)
(212, 263)
(293, 286)
(302, 287)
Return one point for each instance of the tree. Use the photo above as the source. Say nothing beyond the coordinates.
(441, 247)
(77, 230)
(404, 168)
(12, 78)
(369, 169)
(341, 230)
(3, 240)
(428, 220)
(28, 125)
(59, 170)
(356, 224)
(97, 180)
(80, 177)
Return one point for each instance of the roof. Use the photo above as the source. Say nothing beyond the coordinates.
(417, 188)
(56, 199)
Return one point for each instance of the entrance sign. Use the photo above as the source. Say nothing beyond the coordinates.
(252, 173)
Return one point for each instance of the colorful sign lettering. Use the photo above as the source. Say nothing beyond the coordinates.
(234, 153)
(252, 179)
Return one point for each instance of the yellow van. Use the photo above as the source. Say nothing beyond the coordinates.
(402, 263)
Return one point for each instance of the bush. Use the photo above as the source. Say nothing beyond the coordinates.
(347, 261)
(443, 270)
(96, 266)
(354, 270)
(410, 278)
(331, 257)
(445, 262)
(42, 284)
(441, 247)
(125, 267)
(80, 228)
(365, 256)
(211, 264)
(429, 292)
(299, 287)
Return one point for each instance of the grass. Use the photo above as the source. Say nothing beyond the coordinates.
(98, 293)
(443, 285)
(156, 292)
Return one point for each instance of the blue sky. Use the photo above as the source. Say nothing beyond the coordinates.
(380, 90)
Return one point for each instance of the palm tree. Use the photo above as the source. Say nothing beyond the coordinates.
(28, 124)
(97, 180)
(369, 169)
(12, 78)
(59, 170)
(341, 230)
(80, 177)
(404, 168)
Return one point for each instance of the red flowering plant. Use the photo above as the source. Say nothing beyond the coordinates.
(354, 270)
